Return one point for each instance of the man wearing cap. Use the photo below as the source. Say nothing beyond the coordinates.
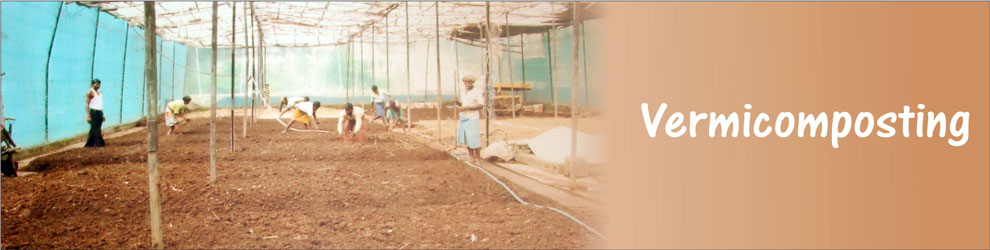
(470, 105)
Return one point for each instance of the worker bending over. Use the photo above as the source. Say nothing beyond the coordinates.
(349, 123)
(175, 109)
(304, 112)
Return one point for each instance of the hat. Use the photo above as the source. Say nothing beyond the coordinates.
(468, 78)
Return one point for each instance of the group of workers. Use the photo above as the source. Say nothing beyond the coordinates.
(304, 111)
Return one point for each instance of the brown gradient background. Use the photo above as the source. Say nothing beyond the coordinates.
(796, 192)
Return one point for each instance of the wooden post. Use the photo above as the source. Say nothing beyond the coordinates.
(408, 78)
(96, 33)
(150, 73)
(172, 77)
(254, 67)
(213, 98)
(373, 55)
(347, 79)
(439, 98)
(233, 66)
(553, 56)
(574, 91)
(457, 78)
(584, 59)
(512, 80)
(361, 44)
(247, 77)
(48, 63)
(488, 68)
(123, 72)
(550, 64)
(388, 63)
(522, 52)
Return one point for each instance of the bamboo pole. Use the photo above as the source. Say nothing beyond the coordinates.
(522, 52)
(575, 21)
(96, 33)
(408, 78)
(388, 62)
(150, 68)
(373, 55)
(439, 89)
(48, 63)
(254, 67)
(123, 73)
(233, 66)
(172, 77)
(247, 55)
(347, 79)
(512, 80)
(457, 78)
(584, 58)
(213, 98)
(488, 66)
(550, 64)
(363, 79)
(553, 57)
(426, 74)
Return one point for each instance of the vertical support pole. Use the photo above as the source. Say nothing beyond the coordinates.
(550, 64)
(254, 63)
(213, 97)
(48, 63)
(388, 63)
(522, 52)
(361, 63)
(96, 33)
(436, 8)
(575, 21)
(488, 69)
(426, 74)
(508, 40)
(123, 72)
(150, 69)
(347, 79)
(373, 40)
(408, 78)
(553, 57)
(584, 58)
(247, 77)
(172, 77)
(457, 78)
(233, 66)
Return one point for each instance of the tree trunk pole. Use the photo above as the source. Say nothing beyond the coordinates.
(233, 67)
(150, 73)
(408, 76)
(213, 98)
(575, 21)
(439, 89)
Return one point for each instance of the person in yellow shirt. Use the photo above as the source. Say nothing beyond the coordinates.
(173, 110)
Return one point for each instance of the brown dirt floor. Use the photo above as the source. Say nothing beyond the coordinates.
(294, 190)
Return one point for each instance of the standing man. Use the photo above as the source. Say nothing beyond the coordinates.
(379, 99)
(94, 115)
(470, 112)
(175, 109)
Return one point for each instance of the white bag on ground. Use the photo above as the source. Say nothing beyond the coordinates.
(498, 149)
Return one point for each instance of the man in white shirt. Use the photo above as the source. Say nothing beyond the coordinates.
(291, 101)
(304, 112)
(349, 122)
(470, 106)
(379, 98)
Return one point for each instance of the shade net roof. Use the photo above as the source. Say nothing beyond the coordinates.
(304, 24)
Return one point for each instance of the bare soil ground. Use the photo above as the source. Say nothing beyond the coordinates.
(294, 190)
